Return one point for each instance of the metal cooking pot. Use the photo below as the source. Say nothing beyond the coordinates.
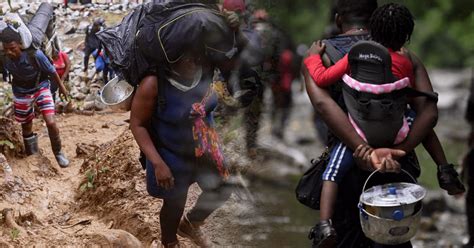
(390, 213)
(117, 94)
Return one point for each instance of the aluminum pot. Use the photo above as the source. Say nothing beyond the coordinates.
(389, 231)
(390, 213)
(117, 94)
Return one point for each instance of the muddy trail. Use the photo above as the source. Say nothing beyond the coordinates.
(91, 202)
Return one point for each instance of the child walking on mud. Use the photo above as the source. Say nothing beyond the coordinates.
(374, 75)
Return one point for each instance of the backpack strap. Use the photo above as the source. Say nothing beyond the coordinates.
(34, 62)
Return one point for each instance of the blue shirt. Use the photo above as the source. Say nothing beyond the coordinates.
(173, 125)
(25, 73)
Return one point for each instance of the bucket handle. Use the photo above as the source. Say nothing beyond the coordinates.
(375, 171)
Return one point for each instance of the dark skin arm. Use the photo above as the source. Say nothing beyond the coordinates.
(339, 124)
(59, 82)
(143, 107)
(337, 121)
(331, 113)
(67, 62)
(426, 110)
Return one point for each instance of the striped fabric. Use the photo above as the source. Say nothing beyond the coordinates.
(340, 155)
(24, 104)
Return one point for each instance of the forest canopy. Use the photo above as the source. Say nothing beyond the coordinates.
(441, 26)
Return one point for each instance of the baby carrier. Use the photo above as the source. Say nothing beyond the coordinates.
(376, 101)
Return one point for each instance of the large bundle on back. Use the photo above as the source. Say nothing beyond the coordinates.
(157, 34)
(42, 28)
(38, 33)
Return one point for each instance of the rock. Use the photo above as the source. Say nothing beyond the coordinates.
(89, 105)
(67, 50)
(448, 100)
(105, 125)
(114, 238)
(449, 79)
(75, 14)
(83, 26)
(84, 89)
(427, 224)
(434, 202)
(69, 30)
(79, 96)
(99, 105)
(90, 97)
(77, 82)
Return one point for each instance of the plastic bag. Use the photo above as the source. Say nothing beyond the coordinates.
(14, 21)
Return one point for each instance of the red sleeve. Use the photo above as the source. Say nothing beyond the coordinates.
(326, 76)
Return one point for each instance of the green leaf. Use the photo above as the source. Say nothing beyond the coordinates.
(7, 143)
(15, 233)
(90, 175)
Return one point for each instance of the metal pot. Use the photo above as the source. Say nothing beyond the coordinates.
(117, 94)
(390, 213)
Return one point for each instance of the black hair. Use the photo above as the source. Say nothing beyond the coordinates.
(9, 35)
(392, 25)
(356, 11)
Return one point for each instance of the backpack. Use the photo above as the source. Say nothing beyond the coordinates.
(157, 33)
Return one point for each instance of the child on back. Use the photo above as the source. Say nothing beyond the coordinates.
(391, 25)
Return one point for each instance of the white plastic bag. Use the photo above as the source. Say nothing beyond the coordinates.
(14, 21)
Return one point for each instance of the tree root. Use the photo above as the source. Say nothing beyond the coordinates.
(9, 219)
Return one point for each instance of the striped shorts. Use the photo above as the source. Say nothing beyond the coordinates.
(339, 164)
(24, 104)
(342, 159)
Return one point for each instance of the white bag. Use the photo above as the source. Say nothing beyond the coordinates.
(14, 21)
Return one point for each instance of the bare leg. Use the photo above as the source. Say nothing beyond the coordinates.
(328, 200)
(27, 129)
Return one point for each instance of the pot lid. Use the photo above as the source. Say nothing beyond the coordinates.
(393, 194)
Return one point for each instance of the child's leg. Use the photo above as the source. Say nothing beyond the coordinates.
(340, 162)
(328, 200)
(447, 176)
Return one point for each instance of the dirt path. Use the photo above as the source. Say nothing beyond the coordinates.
(41, 187)
(102, 191)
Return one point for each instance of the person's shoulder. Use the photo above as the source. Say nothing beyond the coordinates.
(39, 54)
